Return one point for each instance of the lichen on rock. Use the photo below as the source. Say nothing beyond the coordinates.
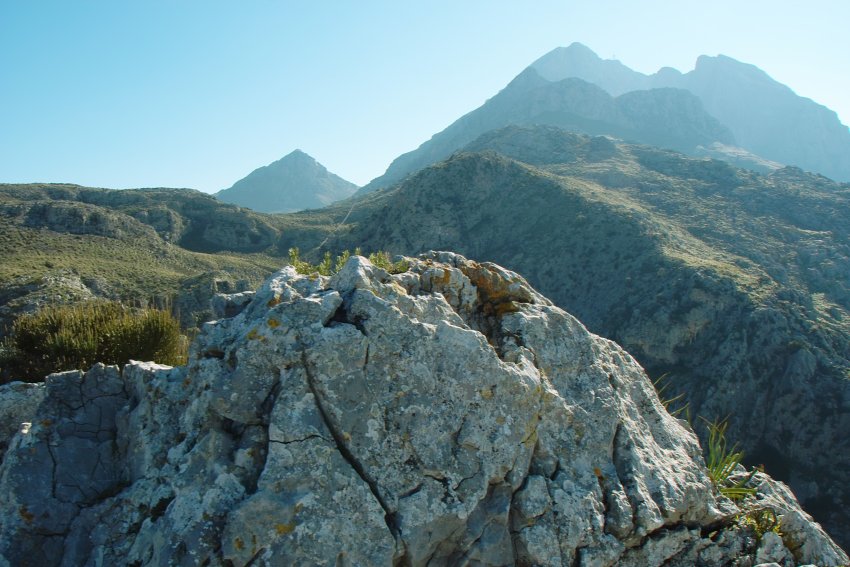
(448, 415)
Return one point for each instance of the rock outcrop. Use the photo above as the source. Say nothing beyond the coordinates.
(446, 415)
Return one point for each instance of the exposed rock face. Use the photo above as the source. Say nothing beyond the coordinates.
(292, 183)
(447, 415)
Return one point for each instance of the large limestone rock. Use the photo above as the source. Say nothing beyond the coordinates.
(448, 415)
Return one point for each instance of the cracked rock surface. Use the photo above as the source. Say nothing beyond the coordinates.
(448, 415)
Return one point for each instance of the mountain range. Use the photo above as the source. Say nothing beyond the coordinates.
(766, 117)
(292, 183)
(722, 109)
(725, 278)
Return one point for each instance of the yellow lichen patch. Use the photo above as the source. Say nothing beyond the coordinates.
(274, 301)
(273, 323)
(346, 436)
(283, 529)
(398, 288)
(253, 335)
(506, 307)
(500, 420)
(26, 514)
(598, 472)
(487, 393)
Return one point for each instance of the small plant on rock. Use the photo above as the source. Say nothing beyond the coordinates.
(762, 521)
(328, 267)
(382, 260)
(722, 461)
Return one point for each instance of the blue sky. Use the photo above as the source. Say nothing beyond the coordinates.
(197, 93)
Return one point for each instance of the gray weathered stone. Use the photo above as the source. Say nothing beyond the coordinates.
(448, 415)
(18, 403)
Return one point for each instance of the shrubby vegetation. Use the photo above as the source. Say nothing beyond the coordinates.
(77, 336)
(328, 266)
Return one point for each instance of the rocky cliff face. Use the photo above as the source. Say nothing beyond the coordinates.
(292, 183)
(446, 415)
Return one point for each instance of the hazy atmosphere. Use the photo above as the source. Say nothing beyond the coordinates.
(198, 94)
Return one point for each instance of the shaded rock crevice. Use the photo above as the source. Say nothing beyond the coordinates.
(389, 514)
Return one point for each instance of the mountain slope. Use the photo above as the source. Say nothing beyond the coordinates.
(292, 183)
(727, 281)
(62, 243)
(766, 117)
(671, 118)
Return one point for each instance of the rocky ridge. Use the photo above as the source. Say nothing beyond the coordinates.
(167, 247)
(449, 414)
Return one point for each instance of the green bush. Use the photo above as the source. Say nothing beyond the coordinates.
(77, 336)
(328, 267)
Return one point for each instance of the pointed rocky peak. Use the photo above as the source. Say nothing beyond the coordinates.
(294, 182)
(298, 156)
(581, 62)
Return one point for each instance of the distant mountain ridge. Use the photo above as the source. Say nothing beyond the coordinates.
(293, 183)
(723, 109)
(671, 118)
(766, 117)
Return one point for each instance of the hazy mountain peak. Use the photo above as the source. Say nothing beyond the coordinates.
(728, 65)
(580, 61)
(294, 182)
(766, 117)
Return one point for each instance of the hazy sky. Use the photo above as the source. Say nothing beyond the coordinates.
(198, 93)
